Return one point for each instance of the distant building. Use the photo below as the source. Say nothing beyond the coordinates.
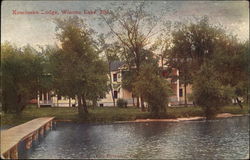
(118, 68)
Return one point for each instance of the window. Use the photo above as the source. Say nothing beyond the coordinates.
(115, 77)
(180, 92)
(101, 97)
(59, 97)
(164, 74)
(115, 94)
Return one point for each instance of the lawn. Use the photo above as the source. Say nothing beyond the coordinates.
(107, 114)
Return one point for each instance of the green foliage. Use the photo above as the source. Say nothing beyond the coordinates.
(77, 68)
(199, 45)
(122, 103)
(208, 92)
(21, 70)
(46, 83)
(193, 45)
(128, 77)
(153, 88)
(231, 65)
(133, 29)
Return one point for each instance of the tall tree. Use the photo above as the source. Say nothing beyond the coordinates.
(111, 54)
(78, 70)
(179, 58)
(231, 65)
(193, 44)
(133, 28)
(21, 69)
(200, 45)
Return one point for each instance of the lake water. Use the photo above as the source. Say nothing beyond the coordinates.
(216, 139)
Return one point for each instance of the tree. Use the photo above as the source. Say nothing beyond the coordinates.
(231, 66)
(199, 45)
(154, 88)
(163, 46)
(179, 58)
(193, 45)
(133, 28)
(208, 92)
(128, 78)
(78, 70)
(21, 69)
(110, 54)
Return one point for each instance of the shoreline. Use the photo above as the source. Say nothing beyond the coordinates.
(195, 118)
(176, 120)
(219, 116)
(116, 115)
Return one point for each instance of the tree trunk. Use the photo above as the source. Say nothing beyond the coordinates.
(142, 104)
(84, 104)
(110, 85)
(247, 96)
(21, 104)
(239, 102)
(137, 102)
(80, 107)
(185, 93)
(162, 65)
(133, 100)
(94, 102)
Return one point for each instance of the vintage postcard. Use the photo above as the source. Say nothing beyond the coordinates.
(124, 79)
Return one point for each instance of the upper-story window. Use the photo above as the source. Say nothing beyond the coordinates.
(115, 77)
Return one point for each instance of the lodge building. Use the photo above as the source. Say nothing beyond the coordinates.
(118, 69)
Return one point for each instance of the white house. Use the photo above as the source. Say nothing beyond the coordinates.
(117, 70)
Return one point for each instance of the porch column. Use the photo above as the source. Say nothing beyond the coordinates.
(42, 98)
(47, 97)
(178, 88)
(38, 99)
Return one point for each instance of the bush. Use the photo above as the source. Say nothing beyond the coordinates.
(21, 67)
(154, 89)
(208, 93)
(122, 103)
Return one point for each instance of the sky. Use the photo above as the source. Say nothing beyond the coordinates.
(39, 29)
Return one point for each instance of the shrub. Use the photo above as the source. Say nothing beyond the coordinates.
(122, 103)
(208, 93)
(154, 89)
(21, 67)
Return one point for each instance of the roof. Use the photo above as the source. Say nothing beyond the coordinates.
(115, 65)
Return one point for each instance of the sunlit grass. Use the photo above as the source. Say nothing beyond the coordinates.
(108, 114)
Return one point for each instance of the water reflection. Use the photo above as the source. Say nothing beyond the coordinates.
(217, 139)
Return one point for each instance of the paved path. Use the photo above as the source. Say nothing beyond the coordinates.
(11, 137)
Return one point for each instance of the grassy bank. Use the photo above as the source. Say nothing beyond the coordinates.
(108, 114)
